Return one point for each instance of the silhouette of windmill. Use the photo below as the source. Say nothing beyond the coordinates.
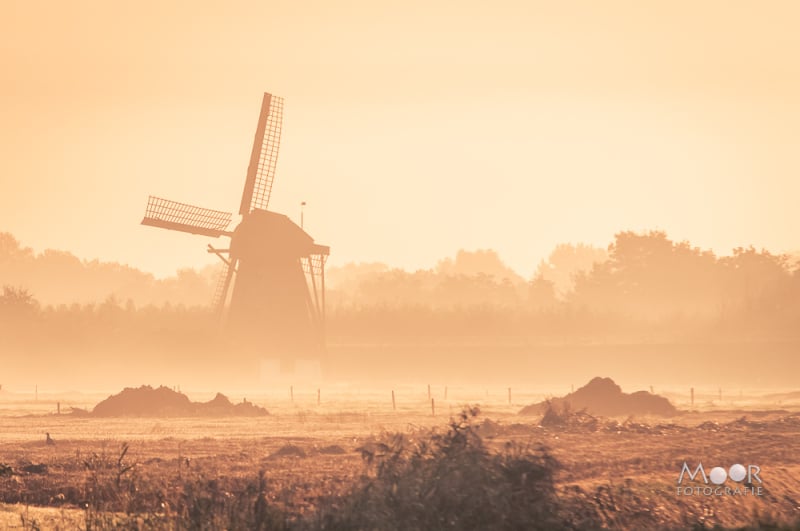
(271, 294)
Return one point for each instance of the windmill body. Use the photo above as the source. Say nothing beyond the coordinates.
(271, 294)
(271, 301)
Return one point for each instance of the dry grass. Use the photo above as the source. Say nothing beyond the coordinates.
(342, 469)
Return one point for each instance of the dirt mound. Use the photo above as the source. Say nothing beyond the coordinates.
(333, 449)
(32, 468)
(603, 397)
(221, 406)
(288, 450)
(489, 428)
(164, 402)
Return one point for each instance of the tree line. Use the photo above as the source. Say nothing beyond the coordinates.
(644, 286)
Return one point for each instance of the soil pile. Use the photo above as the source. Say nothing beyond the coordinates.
(603, 397)
(164, 402)
(289, 450)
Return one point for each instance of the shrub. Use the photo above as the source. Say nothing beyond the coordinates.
(449, 480)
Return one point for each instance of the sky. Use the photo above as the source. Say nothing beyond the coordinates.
(411, 129)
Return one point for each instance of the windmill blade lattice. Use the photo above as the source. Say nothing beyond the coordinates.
(185, 218)
(223, 286)
(264, 156)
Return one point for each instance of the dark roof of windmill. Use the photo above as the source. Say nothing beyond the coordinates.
(278, 231)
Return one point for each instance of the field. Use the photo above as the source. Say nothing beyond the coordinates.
(335, 464)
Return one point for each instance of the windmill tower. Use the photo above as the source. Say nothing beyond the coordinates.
(271, 294)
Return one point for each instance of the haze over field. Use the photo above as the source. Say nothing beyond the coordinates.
(644, 311)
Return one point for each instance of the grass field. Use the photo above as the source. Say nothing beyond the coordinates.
(335, 464)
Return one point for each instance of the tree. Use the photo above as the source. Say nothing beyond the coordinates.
(17, 303)
(541, 293)
(565, 262)
(482, 261)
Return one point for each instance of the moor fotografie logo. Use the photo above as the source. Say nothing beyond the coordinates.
(738, 480)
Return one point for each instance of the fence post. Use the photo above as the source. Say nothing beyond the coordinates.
(394, 404)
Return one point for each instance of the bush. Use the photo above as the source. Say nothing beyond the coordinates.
(566, 417)
(449, 480)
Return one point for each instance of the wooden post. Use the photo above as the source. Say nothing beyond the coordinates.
(318, 395)
(509, 396)
(58, 408)
(394, 404)
(429, 391)
(651, 390)
(692, 396)
(433, 408)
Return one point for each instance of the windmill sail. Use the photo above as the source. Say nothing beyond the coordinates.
(264, 156)
(223, 285)
(186, 218)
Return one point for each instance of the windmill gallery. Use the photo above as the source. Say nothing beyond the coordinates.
(270, 297)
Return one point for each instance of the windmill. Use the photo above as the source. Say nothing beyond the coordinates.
(271, 293)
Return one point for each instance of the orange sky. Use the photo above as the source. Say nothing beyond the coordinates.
(412, 129)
